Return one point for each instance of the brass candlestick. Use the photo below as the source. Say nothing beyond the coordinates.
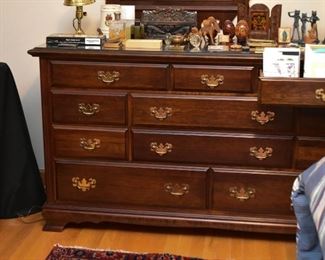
(79, 13)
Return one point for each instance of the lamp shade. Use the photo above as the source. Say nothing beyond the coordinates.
(78, 2)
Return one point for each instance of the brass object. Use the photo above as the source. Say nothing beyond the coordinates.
(262, 117)
(260, 153)
(108, 77)
(83, 185)
(79, 12)
(177, 189)
(161, 149)
(161, 113)
(88, 109)
(212, 81)
(242, 194)
(320, 94)
(89, 144)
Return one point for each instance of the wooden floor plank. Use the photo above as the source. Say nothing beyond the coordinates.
(26, 241)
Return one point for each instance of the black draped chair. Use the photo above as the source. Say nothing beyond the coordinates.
(21, 189)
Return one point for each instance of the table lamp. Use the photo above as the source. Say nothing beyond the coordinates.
(79, 12)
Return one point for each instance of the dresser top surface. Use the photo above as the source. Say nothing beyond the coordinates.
(162, 55)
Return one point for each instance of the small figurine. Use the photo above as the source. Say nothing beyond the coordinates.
(304, 19)
(312, 35)
(209, 27)
(313, 22)
(296, 16)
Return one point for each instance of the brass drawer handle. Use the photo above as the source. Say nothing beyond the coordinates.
(212, 81)
(262, 117)
(108, 77)
(161, 113)
(89, 144)
(88, 109)
(161, 149)
(242, 194)
(177, 189)
(83, 185)
(320, 94)
(260, 153)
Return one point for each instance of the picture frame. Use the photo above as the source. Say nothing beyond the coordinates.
(284, 35)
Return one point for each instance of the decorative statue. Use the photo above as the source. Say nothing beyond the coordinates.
(311, 37)
(295, 30)
(313, 22)
(304, 19)
(209, 27)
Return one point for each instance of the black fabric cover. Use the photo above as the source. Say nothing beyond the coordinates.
(21, 189)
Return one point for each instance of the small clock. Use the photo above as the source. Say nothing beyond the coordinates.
(195, 40)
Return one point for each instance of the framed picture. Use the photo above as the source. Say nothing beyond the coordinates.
(284, 35)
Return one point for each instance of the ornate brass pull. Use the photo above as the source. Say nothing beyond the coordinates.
(320, 94)
(83, 184)
(242, 194)
(108, 77)
(161, 113)
(262, 117)
(177, 189)
(88, 109)
(212, 81)
(161, 149)
(260, 153)
(89, 144)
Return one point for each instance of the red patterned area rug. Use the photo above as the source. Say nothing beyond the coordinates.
(59, 252)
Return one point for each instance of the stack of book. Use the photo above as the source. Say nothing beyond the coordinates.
(75, 41)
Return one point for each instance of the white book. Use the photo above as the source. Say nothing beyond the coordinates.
(281, 62)
(314, 66)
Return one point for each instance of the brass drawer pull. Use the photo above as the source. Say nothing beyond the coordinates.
(83, 184)
(260, 153)
(161, 113)
(108, 77)
(212, 81)
(242, 194)
(88, 109)
(320, 94)
(262, 117)
(89, 144)
(161, 149)
(177, 189)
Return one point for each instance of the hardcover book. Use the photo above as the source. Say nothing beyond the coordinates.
(56, 39)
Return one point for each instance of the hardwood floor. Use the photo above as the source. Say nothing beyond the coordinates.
(26, 240)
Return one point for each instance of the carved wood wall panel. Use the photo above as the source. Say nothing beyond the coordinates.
(220, 9)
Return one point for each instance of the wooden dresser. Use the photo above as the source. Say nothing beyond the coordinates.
(173, 139)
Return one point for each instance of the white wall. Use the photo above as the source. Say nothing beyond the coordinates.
(24, 24)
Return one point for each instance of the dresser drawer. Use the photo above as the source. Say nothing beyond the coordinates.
(81, 107)
(214, 78)
(108, 75)
(209, 112)
(309, 150)
(311, 122)
(139, 185)
(90, 143)
(212, 148)
(295, 92)
(252, 192)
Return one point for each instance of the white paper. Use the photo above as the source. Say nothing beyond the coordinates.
(281, 62)
(314, 61)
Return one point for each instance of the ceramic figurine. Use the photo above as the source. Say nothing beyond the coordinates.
(210, 27)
